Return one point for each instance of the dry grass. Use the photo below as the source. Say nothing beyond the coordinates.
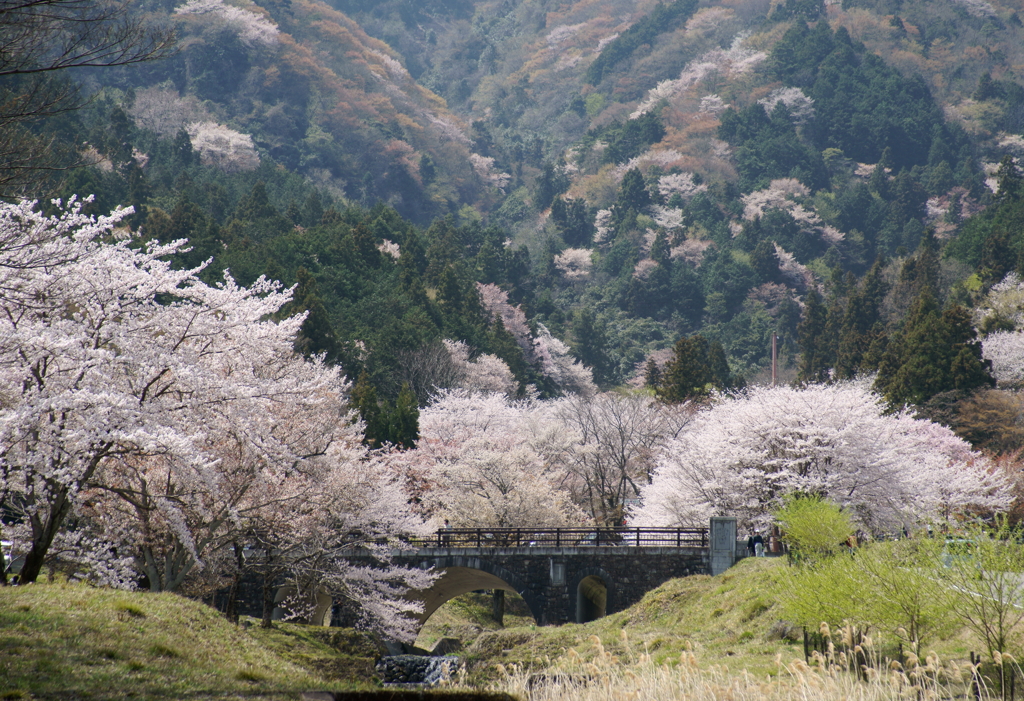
(731, 623)
(599, 675)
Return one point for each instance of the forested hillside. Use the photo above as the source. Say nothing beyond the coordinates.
(565, 189)
(501, 263)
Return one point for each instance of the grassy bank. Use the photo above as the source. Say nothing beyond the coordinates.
(73, 641)
(731, 618)
(688, 638)
(731, 623)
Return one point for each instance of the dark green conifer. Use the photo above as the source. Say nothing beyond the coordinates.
(364, 400)
(316, 335)
(765, 262)
(815, 355)
(405, 420)
(589, 345)
(933, 352)
(697, 367)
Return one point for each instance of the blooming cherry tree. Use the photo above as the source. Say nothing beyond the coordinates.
(494, 462)
(223, 147)
(486, 373)
(171, 416)
(251, 27)
(747, 451)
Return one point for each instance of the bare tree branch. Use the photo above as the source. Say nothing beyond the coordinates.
(39, 40)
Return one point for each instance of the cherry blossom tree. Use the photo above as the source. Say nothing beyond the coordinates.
(174, 419)
(575, 263)
(799, 106)
(495, 302)
(495, 462)
(223, 147)
(486, 373)
(550, 355)
(252, 28)
(270, 451)
(162, 110)
(1006, 351)
(1001, 315)
(363, 512)
(742, 455)
(559, 366)
(75, 310)
(614, 442)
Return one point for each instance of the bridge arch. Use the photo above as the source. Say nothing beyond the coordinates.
(461, 575)
(593, 594)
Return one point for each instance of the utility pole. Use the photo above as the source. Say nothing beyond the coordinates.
(775, 358)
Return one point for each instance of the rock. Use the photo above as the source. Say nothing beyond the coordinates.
(784, 630)
(446, 646)
(416, 669)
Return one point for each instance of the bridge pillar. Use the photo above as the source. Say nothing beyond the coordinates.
(723, 544)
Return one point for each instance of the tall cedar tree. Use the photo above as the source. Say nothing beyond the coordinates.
(316, 335)
(386, 425)
(590, 343)
(933, 352)
(815, 355)
(697, 367)
(860, 324)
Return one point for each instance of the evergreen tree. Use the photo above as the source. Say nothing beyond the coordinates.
(633, 193)
(574, 221)
(652, 375)
(589, 345)
(386, 425)
(312, 210)
(862, 314)
(502, 343)
(933, 352)
(404, 420)
(697, 367)
(1009, 179)
(316, 334)
(364, 399)
(765, 262)
(815, 355)
(256, 205)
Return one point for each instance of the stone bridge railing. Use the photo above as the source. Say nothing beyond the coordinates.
(564, 537)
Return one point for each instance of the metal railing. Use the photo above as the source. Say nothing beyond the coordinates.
(564, 537)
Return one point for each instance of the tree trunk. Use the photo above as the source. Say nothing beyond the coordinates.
(3, 565)
(268, 591)
(231, 607)
(43, 533)
(498, 606)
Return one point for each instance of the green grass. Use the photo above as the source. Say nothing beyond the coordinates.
(468, 616)
(732, 620)
(74, 641)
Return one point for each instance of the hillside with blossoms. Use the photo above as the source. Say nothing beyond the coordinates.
(627, 173)
(295, 275)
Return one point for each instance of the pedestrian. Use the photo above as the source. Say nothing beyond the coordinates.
(758, 545)
(750, 545)
(447, 538)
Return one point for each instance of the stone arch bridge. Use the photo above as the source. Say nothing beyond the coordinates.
(569, 575)
(564, 575)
